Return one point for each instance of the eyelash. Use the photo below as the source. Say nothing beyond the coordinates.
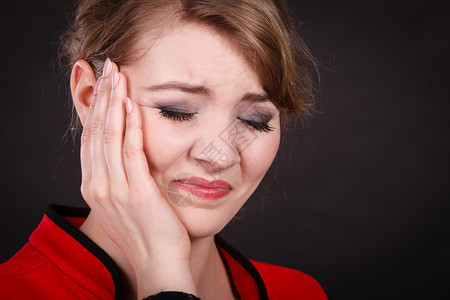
(183, 116)
(176, 115)
(260, 126)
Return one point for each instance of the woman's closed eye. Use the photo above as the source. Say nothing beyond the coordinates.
(260, 126)
(176, 115)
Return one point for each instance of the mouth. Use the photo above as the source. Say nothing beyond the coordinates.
(202, 188)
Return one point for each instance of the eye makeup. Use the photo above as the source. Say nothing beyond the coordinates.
(176, 115)
(257, 120)
(177, 112)
(260, 126)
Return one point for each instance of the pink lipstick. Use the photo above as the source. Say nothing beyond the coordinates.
(202, 188)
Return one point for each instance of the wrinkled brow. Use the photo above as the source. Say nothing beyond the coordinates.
(200, 89)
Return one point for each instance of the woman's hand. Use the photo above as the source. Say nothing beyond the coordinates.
(123, 196)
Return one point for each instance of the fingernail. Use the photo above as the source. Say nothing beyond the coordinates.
(97, 85)
(129, 105)
(107, 68)
(115, 78)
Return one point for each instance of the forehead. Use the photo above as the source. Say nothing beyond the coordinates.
(194, 53)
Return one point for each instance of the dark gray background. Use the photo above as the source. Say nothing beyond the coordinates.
(360, 199)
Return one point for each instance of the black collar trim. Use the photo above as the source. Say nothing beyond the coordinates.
(248, 266)
(55, 213)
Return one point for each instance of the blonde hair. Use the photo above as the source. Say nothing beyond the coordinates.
(261, 29)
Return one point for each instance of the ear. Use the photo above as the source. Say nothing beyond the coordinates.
(82, 82)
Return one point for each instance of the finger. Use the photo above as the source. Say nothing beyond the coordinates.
(115, 129)
(135, 161)
(85, 148)
(100, 178)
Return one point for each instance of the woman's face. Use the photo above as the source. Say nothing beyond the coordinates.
(205, 116)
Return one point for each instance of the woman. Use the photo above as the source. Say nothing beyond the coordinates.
(182, 105)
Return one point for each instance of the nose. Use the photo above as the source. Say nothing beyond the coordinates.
(217, 149)
(214, 156)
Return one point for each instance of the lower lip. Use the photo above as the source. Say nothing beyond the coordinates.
(203, 192)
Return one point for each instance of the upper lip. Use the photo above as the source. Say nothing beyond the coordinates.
(204, 182)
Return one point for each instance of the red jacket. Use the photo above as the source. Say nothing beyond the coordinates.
(60, 262)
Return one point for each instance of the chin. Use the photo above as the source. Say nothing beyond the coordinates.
(202, 223)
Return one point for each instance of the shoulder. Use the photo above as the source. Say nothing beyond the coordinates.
(21, 271)
(24, 261)
(30, 274)
(286, 283)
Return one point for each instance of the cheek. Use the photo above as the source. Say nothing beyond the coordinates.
(162, 144)
(258, 156)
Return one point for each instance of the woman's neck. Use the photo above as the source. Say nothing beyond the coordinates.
(208, 268)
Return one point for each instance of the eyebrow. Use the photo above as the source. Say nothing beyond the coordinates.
(201, 90)
(180, 86)
(256, 97)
